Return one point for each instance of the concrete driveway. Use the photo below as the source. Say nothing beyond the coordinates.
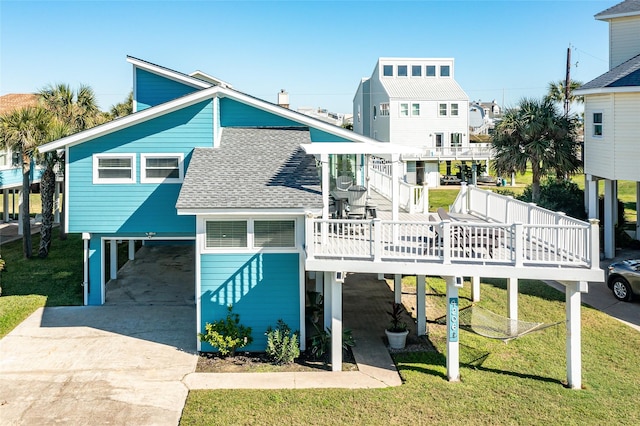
(115, 365)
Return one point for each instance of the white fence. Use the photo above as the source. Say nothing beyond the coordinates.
(453, 242)
(412, 198)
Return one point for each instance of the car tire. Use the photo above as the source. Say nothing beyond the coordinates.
(621, 289)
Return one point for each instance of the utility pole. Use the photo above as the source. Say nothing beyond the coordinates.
(567, 82)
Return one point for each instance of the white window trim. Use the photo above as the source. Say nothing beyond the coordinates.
(446, 112)
(419, 109)
(435, 71)
(400, 109)
(97, 180)
(407, 70)
(143, 167)
(440, 71)
(457, 109)
(251, 248)
(593, 124)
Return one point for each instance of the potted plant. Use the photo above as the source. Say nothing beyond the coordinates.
(397, 330)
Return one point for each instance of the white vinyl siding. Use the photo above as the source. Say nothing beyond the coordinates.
(598, 155)
(226, 234)
(274, 233)
(114, 168)
(162, 168)
(624, 34)
(626, 129)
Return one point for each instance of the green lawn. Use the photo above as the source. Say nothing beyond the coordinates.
(516, 383)
(35, 204)
(28, 284)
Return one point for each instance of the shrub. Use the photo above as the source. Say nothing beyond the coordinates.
(227, 334)
(559, 195)
(282, 346)
(321, 341)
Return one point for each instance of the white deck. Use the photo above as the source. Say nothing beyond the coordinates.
(424, 244)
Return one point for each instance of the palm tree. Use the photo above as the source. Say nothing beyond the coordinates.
(56, 130)
(22, 130)
(77, 111)
(556, 91)
(535, 133)
(123, 108)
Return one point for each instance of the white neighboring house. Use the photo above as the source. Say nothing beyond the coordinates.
(417, 102)
(612, 118)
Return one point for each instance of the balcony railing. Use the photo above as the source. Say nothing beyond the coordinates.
(449, 242)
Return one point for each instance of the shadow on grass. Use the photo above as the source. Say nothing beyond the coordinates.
(529, 287)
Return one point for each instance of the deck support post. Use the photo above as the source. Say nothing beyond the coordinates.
(20, 213)
(591, 189)
(397, 288)
(56, 203)
(327, 300)
(421, 313)
(609, 220)
(574, 340)
(637, 207)
(336, 324)
(475, 288)
(132, 249)
(512, 298)
(113, 270)
(453, 349)
(5, 205)
(395, 188)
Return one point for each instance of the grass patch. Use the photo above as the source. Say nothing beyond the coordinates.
(514, 383)
(28, 284)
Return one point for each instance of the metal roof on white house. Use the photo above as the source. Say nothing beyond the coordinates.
(425, 89)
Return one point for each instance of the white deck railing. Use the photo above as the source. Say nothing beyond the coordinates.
(453, 242)
(412, 198)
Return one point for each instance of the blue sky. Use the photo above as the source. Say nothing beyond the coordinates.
(317, 51)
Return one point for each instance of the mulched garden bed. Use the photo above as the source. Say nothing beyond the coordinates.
(258, 362)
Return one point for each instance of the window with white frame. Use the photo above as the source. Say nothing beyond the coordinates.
(445, 71)
(597, 124)
(454, 110)
(387, 70)
(274, 233)
(402, 71)
(384, 109)
(443, 110)
(404, 110)
(114, 168)
(416, 70)
(226, 234)
(415, 110)
(456, 139)
(431, 71)
(162, 168)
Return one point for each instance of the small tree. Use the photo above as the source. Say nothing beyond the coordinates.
(227, 335)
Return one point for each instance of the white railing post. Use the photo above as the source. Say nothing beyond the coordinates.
(558, 218)
(309, 225)
(464, 195)
(518, 243)
(595, 243)
(532, 209)
(446, 242)
(377, 239)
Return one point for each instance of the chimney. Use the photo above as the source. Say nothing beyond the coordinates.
(283, 99)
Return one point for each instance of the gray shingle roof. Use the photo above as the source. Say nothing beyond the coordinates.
(254, 168)
(626, 74)
(627, 7)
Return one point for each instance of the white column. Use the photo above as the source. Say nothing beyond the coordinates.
(132, 249)
(336, 324)
(56, 203)
(20, 213)
(453, 330)
(113, 274)
(609, 235)
(593, 205)
(421, 313)
(327, 299)
(5, 205)
(85, 281)
(397, 288)
(324, 159)
(475, 289)
(512, 298)
(395, 187)
(574, 340)
(513, 179)
(638, 210)
(614, 194)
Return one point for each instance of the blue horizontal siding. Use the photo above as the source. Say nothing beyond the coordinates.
(12, 178)
(322, 136)
(153, 89)
(237, 114)
(138, 207)
(262, 288)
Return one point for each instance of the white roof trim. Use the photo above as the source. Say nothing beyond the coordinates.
(358, 148)
(232, 212)
(603, 90)
(210, 78)
(617, 15)
(170, 74)
(194, 98)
